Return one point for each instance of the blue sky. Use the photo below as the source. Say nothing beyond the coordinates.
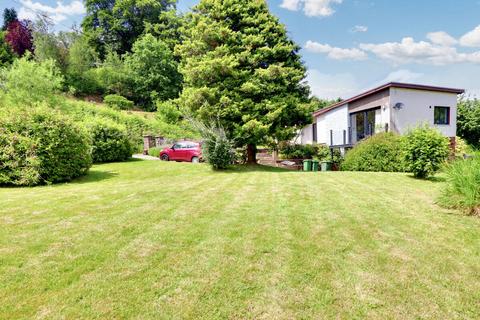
(352, 45)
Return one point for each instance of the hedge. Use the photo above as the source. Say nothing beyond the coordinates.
(41, 146)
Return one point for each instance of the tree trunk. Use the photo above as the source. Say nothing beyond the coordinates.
(251, 154)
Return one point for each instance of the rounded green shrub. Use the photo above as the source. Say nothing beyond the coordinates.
(41, 146)
(119, 102)
(110, 141)
(424, 151)
(380, 152)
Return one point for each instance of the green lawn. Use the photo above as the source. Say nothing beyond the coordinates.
(156, 240)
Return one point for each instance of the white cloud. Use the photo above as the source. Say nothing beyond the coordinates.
(332, 86)
(410, 51)
(311, 8)
(441, 38)
(402, 75)
(359, 29)
(471, 38)
(58, 13)
(335, 52)
(292, 5)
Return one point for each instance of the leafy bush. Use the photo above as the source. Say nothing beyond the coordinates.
(154, 152)
(168, 111)
(41, 146)
(424, 151)
(27, 82)
(380, 152)
(297, 151)
(468, 121)
(119, 102)
(324, 153)
(463, 186)
(462, 148)
(110, 141)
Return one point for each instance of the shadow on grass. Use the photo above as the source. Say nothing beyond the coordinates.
(434, 179)
(94, 176)
(245, 168)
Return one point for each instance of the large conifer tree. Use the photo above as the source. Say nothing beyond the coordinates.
(241, 69)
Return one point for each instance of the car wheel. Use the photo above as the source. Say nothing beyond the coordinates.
(195, 160)
(164, 157)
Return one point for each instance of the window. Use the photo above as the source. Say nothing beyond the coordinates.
(314, 133)
(441, 115)
(179, 145)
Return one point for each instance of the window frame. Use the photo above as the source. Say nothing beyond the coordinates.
(448, 110)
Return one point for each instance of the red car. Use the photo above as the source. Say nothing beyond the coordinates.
(182, 151)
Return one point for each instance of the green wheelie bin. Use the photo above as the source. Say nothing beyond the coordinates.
(326, 166)
(315, 165)
(307, 165)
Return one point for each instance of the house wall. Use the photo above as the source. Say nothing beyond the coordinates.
(306, 135)
(337, 121)
(322, 135)
(378, 99)
(418, 108)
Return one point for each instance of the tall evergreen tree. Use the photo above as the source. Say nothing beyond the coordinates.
(9, 15)
(241, 69)
(117, 24)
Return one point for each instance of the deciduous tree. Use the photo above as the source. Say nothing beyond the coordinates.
(117, 24)
(153, 70)
(19, 37)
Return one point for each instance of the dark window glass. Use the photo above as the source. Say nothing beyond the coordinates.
(370, 129)
(441, 115)
(314, 133)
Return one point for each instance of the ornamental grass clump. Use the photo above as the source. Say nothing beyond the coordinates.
(463, 186)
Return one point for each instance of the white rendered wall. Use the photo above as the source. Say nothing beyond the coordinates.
(306, 135)
(337, 121)
(418, 107)
(322, 136)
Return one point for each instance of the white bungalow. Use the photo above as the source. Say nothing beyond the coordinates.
(392, 107)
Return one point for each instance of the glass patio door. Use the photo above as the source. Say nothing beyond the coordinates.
(360, 125)
(363, 123)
